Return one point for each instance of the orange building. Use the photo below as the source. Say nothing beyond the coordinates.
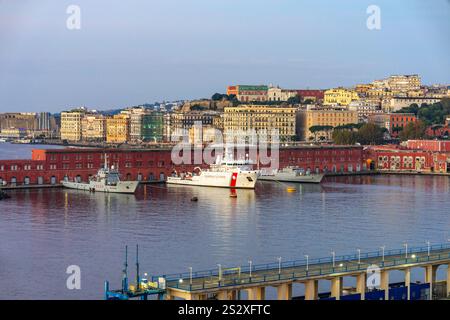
(233, 90)
(397, 121)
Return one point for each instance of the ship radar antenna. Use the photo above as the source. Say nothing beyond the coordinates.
(138, 284)
(125, 272)
(106, 161)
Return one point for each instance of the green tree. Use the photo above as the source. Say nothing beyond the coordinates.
(316, 129)
(370, 133)
(430, 114)
(294, 100)
(218, 96)
(344, 137)
(413, 130)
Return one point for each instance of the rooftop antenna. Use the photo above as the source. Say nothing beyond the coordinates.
(106, 161)
(125, 272)
(138, 282)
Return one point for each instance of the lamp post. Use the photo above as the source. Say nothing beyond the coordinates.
(250, 263)
(429, 248)
(382, 253)
(190, 276)
(307, 262)
(334, 257)
(406, 249)
(359, 256)
(220, 271)
(279, 265)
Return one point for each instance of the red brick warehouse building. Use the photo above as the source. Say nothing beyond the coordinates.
(54, 165)
(389, 158)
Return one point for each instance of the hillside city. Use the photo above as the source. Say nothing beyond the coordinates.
(397, 108)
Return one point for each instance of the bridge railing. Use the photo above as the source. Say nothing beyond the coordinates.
(213, 274)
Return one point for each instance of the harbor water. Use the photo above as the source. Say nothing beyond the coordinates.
(42, 232)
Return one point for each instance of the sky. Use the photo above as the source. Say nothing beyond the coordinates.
(141, 51)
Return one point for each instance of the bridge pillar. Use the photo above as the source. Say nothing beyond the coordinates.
(311, 290)
(448, 280)
(225, 295)
(430, 277)
(385, 283)
(284, 291)
(199, 297)
(361, 285)
(168, 296)
(336, 287)
(408, 282)
(258, 293)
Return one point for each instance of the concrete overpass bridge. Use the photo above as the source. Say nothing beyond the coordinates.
(226, 283)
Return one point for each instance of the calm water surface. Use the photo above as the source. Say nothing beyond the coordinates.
(44, 231)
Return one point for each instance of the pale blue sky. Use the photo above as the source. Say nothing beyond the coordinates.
(132, 52)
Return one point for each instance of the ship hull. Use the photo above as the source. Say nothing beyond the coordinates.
(234, 180)
(314, 178)
(128, 187)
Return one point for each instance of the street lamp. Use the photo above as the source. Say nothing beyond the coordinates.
(429, 248)
(334, 257)
(279, 265)
(220, 271)
(307, 262)
(190, 276)
(382, 253)
(250, 263)
(359, 256)
(406, 249)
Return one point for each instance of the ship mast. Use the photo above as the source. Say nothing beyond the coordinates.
(106, 162)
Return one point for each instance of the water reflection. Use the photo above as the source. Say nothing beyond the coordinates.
(44, 231)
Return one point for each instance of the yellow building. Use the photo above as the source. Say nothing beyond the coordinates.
(404, 83)
(93, 128)
(363, 88)
(263, 119)
(71, 125)
(322, 117)
(204, 134)
(339, 97)
(118, 129)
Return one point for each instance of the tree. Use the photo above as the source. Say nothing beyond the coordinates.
(370, 133)
(218, 96)
(413, 130)
(294, 100)
(344, 137)
(430, 114)
(316, 129)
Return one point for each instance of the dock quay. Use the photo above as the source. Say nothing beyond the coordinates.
(371, 271)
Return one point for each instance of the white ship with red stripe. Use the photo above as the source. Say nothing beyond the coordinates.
(237, 174)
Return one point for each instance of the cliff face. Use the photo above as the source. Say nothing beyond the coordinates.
(206, 105)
